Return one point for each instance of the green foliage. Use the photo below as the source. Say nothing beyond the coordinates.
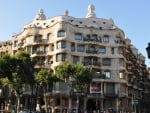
(64, 71)
(25, 67)
(81, 76)
(7, 66)
(17, 70)
(44, 78)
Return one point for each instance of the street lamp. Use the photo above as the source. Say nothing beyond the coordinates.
(148, 50)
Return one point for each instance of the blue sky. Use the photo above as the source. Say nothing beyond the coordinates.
(132, 16)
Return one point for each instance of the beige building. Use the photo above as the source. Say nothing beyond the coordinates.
(120, 71)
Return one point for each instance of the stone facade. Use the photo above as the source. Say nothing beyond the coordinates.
(95, 42)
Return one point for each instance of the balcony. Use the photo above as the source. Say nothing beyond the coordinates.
(91, 51)
(94, 63)
(41, 53)
(41, 40)
(99, 76)
(94, 39)
(110, 95)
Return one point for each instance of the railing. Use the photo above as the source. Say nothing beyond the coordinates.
(95, 63)
(111, 95)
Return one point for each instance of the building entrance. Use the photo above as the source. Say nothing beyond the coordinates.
(93, 104)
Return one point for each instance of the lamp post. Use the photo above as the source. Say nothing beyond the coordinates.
(148, 50)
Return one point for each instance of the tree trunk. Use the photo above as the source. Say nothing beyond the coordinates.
(45, 100)
(18, 104)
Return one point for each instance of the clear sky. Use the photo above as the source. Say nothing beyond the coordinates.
(132, 16)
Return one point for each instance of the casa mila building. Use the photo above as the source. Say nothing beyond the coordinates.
(120, 81)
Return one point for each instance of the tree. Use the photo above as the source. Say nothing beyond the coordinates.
(7, 66)
(81, 76)
(64, 71)
(45, 79)
(16, 71)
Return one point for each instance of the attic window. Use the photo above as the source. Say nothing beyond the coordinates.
(77, 25)
(100, 27)
(104, 22)
(94, 21)
(71, 20)
(52, 21)
(81, 22)
(37, 23)
(44, 23)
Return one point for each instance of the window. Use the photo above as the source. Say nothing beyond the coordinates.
(106, 62)
(28, 49)
(61, 33)
(102, 50)
(121, 75)
(80, 48)
(112, 50)
(48, 36)
(92, 49)
(78, 36)
(15, 43)
(60, 57)
(46, 49)
(42, 60)
(50, 60)
(61, 44)
(75, 59)
(38, 38)
(52, 47)
(72, 47)
(94, 37)
(120, 51)
(118, 40)
(106, 39)
(107, 74)
(88, 37)
(36, 49)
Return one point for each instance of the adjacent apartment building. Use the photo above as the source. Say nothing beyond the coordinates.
(121, 78)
